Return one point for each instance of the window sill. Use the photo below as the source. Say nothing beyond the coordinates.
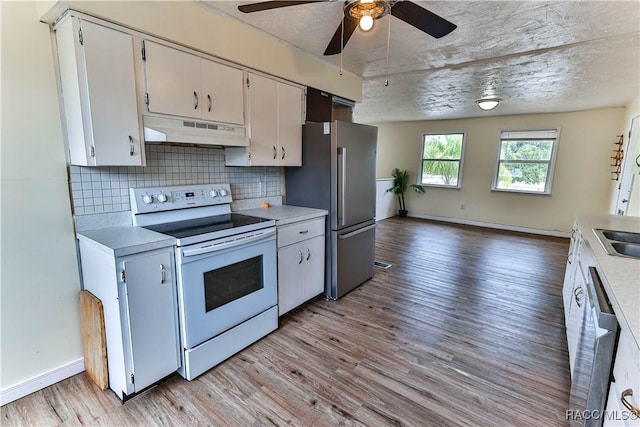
(537, 193)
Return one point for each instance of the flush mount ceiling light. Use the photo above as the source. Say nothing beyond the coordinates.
(488, 103)
(367, 11)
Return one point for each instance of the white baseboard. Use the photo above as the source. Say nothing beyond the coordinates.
(41, 381)
(554, 233)
(384, 216)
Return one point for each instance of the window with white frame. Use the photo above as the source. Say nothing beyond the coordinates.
(525, 161)
(442, 159)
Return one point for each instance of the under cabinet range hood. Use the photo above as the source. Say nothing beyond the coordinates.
(188, 131)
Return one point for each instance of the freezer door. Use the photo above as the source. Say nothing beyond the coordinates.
(355, 148)
(353, 258)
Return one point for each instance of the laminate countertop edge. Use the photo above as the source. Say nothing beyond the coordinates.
(126, 240)
(285, 214)
(620, 275)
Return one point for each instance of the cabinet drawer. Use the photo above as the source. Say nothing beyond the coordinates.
(300, 231)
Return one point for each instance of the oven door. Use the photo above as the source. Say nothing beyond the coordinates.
(221, 289)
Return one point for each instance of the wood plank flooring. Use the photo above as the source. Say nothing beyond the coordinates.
(465, 329)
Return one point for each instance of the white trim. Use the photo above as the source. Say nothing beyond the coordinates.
(554, 233)
(460, 161)
(552, 161)
(15, 392)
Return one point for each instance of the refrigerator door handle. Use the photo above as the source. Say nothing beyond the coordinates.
(355, 233)
(342, 183)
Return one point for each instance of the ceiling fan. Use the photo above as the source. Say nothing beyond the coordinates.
(363, 13)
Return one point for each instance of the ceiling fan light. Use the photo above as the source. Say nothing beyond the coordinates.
(488, 103)
(367, 11)
(366, 23)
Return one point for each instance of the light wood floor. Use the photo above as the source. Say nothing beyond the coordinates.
(466, 328)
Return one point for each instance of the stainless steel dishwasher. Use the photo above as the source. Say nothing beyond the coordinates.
(594, 357)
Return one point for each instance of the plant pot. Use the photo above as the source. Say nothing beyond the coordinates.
(402, 213)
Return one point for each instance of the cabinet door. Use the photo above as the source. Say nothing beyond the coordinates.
(173, 81)
(222, 93)
(290, 277)
(579, 303)
(570, 271)
(626, 374)
(151, 310)
(290, 100)
(313, 267)
(113, 125)
(263, 121)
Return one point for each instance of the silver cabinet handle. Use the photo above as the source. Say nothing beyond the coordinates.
(623, 398)
(210, 102)
(301, 257)
(355, 233)
(577, 292)
(342, 183)
(132, 147)
(275, 152)
(163, 274)
(283, 153)
(308, 254)
(195, 100)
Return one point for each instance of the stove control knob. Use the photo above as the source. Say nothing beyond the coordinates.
(213, 193)
(222, 192)
(162, 198)
(147, 198)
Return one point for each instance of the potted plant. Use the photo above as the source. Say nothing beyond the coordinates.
(400, 185)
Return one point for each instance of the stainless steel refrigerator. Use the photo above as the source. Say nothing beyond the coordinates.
(338, 174)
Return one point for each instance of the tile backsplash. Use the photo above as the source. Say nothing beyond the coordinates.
(105, 189)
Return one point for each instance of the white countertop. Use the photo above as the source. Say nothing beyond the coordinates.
(285, 214)
(621, 275)
(126, 240)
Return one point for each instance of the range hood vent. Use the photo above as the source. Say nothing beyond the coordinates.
(186, 131)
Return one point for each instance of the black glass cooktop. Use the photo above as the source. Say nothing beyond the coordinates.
(210, 224)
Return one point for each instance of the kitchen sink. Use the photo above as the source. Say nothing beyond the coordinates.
(622, 236)
(629, 249)
(619, 243)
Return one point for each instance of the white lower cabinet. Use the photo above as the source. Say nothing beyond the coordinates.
(624, 392)
(139, 296)
(571, 269)
(300, 263)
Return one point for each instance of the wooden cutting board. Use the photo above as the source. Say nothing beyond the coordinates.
(94, 341)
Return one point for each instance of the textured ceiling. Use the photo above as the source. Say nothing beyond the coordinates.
(538, 56)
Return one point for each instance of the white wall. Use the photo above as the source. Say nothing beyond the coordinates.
(39, 281)
(582, 180)
(386, 205)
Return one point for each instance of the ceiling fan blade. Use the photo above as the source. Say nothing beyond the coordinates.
(350, 25)
(422, 19)
(266, 5)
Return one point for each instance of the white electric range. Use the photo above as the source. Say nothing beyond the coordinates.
(225, 267)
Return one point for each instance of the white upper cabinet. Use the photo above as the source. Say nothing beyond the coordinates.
(186, 85)
(98, 84)
(223, 93)
(290, 101)
(263, 120)
(274, 125)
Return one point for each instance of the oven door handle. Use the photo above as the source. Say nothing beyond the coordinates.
(236, 241)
